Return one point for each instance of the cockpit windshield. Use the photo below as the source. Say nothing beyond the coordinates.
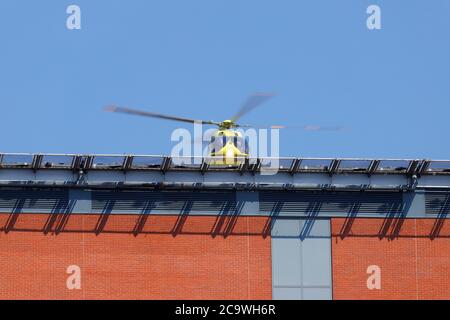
(218, 142)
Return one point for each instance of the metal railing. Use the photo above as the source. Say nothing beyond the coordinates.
(165, 163)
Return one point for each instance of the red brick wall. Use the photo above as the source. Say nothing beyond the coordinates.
(413, 254)
(198, 258)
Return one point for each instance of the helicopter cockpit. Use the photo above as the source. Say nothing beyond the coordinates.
(221, 140)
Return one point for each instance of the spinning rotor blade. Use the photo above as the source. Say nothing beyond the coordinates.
(311, 128)
(155, 115)
(306, 128)
(251, 103)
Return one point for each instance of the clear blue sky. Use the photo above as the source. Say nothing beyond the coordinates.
(201, 58)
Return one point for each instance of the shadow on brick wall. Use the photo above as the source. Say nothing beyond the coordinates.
(61, 220)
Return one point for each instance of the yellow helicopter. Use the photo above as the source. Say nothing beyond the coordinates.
(227, 145)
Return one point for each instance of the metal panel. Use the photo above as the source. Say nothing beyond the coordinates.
(228, 177)
(414, 204)
(315, 229)
(183, 177)
(312, 178)
(278, 178)
(81, 200)
(285, 228)
(34, 201)
(437, 203)
(431, 181)
(317, 294)
(10, 175)
(144, 176)
(247, 202)
(105, 176)
(316, 265)
(286, 293)
(388, 180)
(54, 175)
(277, 204)
(314, 203)
(351, 179)
(169, 202)
(286, 262)
(301, 259)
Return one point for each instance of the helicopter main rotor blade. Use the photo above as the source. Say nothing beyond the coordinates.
(155, 115)
(311, 128)
(251, 103)
(305, 128)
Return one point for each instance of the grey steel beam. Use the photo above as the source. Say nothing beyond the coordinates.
(216, 179)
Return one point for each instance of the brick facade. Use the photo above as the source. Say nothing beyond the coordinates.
(176, 257)
(127, 257)
(413, 256)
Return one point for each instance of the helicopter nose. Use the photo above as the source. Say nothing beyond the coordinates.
(229, 154)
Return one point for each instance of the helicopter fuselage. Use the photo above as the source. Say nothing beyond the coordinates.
(227, 146)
